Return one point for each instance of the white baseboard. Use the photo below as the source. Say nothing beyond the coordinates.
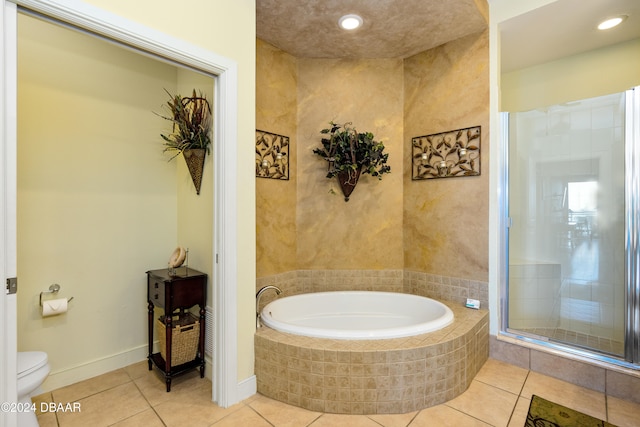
(94, 368)
(63, 378)
(247, 388)
(208, 367)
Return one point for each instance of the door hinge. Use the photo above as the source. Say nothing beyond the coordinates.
(12, 285)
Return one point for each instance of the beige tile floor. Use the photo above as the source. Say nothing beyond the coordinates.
(134, 396)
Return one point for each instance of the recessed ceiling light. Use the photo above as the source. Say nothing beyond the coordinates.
(350, 22)
(611, 22)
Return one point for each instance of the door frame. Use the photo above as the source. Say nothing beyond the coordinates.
(116, 28)
(8, 174)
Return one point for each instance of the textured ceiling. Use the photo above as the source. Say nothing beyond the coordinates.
(391, 29)
(401, 28)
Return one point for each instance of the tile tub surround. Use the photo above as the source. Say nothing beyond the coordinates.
(373, 376)
(408, 281)
(445, 288)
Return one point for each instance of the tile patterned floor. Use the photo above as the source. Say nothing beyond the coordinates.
(134, 396)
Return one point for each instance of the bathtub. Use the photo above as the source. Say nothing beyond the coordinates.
(356, 315)
(370, 376)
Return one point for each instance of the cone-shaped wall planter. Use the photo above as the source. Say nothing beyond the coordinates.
(350, 153)
(195, 162)
(348, 180)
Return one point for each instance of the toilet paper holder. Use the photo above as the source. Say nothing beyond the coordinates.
(53, 289)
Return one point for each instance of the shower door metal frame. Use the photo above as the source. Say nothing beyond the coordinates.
(632, 225)
(631, 358)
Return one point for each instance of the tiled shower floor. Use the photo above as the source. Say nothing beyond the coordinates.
(605, 345)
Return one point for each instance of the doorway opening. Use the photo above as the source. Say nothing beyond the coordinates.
(151, 43)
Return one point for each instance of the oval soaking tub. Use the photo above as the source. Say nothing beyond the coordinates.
(356, 315)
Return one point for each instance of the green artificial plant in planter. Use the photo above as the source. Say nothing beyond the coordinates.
(191, 133)
(351, 153)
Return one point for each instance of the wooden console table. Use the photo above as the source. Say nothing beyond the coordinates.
(172, 293)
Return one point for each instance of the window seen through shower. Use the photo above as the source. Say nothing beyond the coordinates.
(566, 240)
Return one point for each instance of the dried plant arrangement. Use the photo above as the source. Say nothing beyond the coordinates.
(191, 118)
(191, 131)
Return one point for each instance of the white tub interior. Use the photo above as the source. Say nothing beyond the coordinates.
(356, 315)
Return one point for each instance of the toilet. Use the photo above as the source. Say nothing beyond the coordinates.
(33, 368)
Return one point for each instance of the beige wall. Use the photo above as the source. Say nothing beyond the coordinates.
(96, 196)
(437, 226)
(228, 28)
(446, 220)
(587, 75)
(195, 212)
(366, 231)
(304, 225)
(501, 10)
(276, 112)
(225, 27)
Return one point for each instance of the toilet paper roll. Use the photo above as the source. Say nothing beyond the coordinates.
(54, 306)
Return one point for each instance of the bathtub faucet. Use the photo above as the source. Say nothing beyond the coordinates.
(258, 296)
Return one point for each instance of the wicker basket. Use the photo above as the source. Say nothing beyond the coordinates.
(185, 335)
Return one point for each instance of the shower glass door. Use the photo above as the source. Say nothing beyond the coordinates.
(566, 216)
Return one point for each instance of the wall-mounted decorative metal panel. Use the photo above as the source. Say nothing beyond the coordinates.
(272, 155)
(446, 155)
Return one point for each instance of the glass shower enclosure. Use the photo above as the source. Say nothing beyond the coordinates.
(571, 239)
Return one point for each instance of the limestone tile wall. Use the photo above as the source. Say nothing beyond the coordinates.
(446, 220)
(306, 281)
(412, 282)
(276, 112)
(366, 231)
(446, 288)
